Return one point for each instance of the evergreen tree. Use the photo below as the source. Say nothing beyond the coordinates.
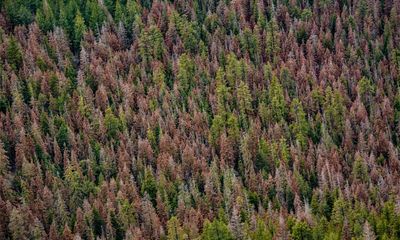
(45, 17)
(62, 134)
(261, 232)
(277, 100)
(186, 71)
(222, 92)
(301, 231)
(244, 98)
(96, 16)
(19, 12)
(175, 231)
(79, 30)
(216, 230)
(18, 224)
(14, 55)
(300, 126)
(272, 40)
(334, 114)
(112, 124)
(4, 163)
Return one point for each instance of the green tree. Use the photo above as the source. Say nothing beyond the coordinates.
(112, 124)
(234, 70)
(19, 12)
(288, 83)
(339, 211)
(151, 44)
(366, 89)
(175, 231)
(4, 163)
(14, 55)
(233, 129)
(96, 15)
(188, 32)
(244, 98)
(186, 71)
(149, 185)
(216, 230)
(261, 232)
(120, 11)
(396, 108)
(388, 222)
(126, 213)
(159, 77)
(98, 223)
(66, 18)
(222, 92)
(76, 184)
(79, 30)
(301, 231)
(54, 85)
(277, 100)
(217, 126)
(45, 17)
(299, 126)
(249, 43)
(263, 154)
(272, 40)
(360, 170)
(132, 13)
(62, 134)
(334, 114)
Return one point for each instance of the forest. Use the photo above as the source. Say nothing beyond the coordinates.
(200, 119)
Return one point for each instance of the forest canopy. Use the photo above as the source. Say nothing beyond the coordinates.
(200, 119)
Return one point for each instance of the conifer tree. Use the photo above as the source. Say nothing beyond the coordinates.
(79, 30)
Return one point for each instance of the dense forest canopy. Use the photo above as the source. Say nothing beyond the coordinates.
(200, 119)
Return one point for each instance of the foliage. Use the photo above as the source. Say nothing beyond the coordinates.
(142, 119)
(216, 230)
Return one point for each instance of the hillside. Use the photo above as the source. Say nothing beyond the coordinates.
(200, 119)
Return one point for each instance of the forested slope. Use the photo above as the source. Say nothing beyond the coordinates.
(201, 119)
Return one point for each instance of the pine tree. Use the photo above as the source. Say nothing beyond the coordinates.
(262, 162)
(18, 11)
(45, 17)
(120, 12)
(277, 100)
(217, 126)
(175, 231)
(151, 44)
(18, 224)
(272, 41)
(222, 92)
(79, 30)
(233, 129)
(62, 134)
(216, 230)
(186, 71)
(334, 114)
(244, 99)
(300, 126)
(112, 124)
(4, 163)
(360, 170)
(149, 185)
(14, 55)
(96, 15)
(261, 232)
(301, 231)
(366, 89)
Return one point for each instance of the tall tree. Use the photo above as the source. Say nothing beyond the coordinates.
(79, 30)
